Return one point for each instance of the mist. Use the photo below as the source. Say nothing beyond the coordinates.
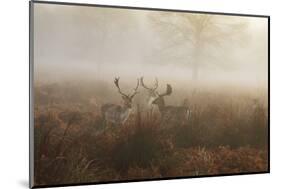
(73, 43)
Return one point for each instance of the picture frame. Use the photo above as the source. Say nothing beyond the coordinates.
(46, 108)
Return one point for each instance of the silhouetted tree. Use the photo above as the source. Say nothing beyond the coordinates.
(197, 34)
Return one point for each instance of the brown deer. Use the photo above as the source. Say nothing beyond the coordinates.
(118, 114)
(169, 114)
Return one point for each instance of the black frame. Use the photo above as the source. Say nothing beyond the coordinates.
(31, 95)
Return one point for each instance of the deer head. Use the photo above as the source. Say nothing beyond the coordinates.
(127, 98)
(153, 96)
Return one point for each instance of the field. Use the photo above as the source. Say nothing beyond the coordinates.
(227, 133)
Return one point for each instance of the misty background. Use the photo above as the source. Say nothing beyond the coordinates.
(77, 43)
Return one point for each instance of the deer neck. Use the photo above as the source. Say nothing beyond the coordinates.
(126, 108)
(161, 105)
(125, 112)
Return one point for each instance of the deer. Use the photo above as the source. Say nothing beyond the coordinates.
(169, 114)
(118, 114)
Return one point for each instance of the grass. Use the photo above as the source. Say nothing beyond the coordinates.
(226, 134)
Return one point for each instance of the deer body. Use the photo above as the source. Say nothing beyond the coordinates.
(172, 114)
(169, 114)
(115, 114)
(118, 114)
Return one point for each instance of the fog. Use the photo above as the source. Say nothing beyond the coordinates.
(91, 43)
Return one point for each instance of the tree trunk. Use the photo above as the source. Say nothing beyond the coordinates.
(195, 71)
(195, 76)
(196, 65)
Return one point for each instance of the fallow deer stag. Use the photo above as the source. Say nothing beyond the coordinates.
(169, 114)
(118, 114)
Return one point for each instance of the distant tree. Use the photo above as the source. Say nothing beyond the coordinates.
(108, 25)
(198, 35)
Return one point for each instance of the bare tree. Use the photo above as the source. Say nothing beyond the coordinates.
(197, 34)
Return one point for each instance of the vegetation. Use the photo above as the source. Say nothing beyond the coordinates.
(226, 134)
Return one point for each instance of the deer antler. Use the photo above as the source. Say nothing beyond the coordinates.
(116, 82)
(135, 89)
(144, 86)
(168, 91)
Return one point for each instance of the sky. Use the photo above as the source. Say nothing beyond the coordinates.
(78, 42)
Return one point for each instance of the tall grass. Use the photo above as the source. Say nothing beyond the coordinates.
(72, 143)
